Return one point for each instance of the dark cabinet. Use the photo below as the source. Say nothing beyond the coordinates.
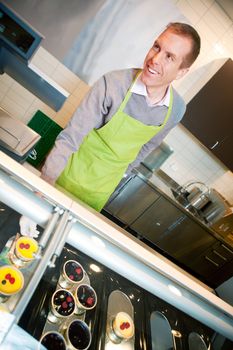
(215, 264)
(224, 151)
(172, 231)
(160, 217)
(209, 114)
(186, 241)
(133, 199)
(161, 223)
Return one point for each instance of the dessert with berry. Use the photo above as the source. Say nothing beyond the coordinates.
(123, 326)
(26, 248)
(86, 297)
(11, 280)
(63, 303)
(73, 270)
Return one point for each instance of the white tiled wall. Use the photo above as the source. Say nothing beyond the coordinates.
(190, 161)
(21, 103)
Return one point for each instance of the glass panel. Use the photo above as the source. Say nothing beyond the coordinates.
(161, 332)
(196, 342)
(18, 253)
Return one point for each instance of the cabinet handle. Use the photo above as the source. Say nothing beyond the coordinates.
(226, 248)
(212, 261)
(216, 143)
(218, 254)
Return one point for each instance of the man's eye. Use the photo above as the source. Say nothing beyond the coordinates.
(156, 47)
(170, 57)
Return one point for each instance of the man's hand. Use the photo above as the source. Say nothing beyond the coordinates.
(28, 227)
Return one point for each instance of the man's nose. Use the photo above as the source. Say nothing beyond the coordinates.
(157, 58)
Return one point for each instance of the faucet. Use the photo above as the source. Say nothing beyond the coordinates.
(198, 183)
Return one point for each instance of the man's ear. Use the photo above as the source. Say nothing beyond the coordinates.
(181, 73)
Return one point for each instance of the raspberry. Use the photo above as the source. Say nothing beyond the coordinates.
(122, 326)
(90, 301)
(69, 299)
(12, 280)
(64, 305)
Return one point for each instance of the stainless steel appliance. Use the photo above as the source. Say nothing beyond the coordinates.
(16, 139)
(207, 202)
(217, 207)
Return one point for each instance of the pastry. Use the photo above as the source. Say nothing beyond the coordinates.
(26, 248)
(85, 296)
(123, 325)
(73, 271)
(63, 303)
(11, 280)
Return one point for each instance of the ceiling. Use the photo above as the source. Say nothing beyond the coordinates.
(227, 6)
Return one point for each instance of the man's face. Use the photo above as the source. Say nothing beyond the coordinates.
(163, 61)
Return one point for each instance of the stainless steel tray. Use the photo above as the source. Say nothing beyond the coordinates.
(118, 302)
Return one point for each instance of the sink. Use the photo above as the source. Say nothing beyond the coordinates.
(181, 198)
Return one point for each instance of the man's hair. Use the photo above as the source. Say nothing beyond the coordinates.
(187, 31)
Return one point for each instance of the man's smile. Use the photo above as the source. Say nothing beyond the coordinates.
(152, 71)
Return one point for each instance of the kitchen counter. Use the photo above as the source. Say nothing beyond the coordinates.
(144, 205)
(164, 185)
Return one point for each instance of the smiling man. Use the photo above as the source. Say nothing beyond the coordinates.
(123, 118)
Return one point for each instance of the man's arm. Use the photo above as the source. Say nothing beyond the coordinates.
(90, 114)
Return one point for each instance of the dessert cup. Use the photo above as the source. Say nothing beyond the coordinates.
(11, 281)
(62, 305)
(77, 335)
(85, 297)
(121, 328)
(72, 273)
(53, 341)
(24, 252)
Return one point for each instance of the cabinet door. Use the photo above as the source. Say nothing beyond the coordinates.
(132, 200)
(224, 151)
(186, 241)
(157, 219)
(215, 264)
(208, 114)
(221, 275)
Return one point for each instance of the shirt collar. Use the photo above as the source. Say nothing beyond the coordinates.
(139, 88)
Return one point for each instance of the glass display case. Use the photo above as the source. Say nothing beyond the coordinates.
(92, 278)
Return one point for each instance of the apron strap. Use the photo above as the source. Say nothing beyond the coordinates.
(169, 108)
(128, 95)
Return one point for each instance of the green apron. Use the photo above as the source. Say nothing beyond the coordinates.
(96, 168)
